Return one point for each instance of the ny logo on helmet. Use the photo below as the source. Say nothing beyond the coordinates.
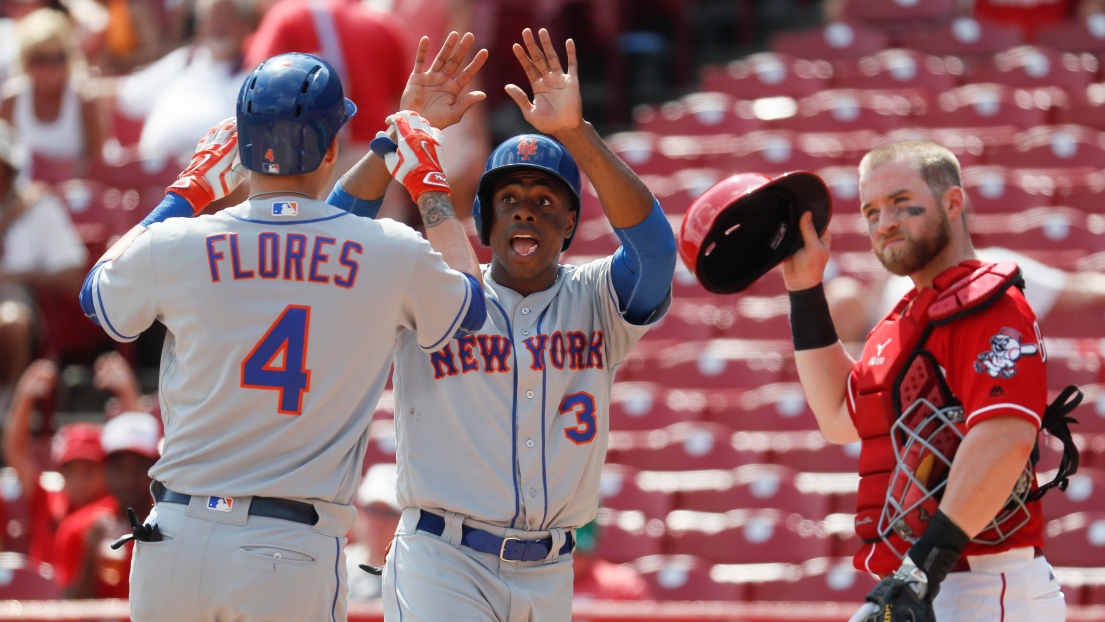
(527, 147)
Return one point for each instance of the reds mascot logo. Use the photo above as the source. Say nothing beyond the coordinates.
(1005, 349)
(527, 147)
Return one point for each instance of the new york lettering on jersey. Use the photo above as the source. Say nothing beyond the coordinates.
(492, 353)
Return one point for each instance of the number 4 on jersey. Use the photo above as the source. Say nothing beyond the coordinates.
(277, 362)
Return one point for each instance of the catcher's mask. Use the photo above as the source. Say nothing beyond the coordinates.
(747, 224)
(289, 111)
(925, 439)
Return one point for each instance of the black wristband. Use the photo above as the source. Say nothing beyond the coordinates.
(811, 326)
(938, 549)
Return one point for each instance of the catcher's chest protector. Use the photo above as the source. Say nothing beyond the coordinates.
(894, 373)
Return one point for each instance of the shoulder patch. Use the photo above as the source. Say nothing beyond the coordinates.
(1000, 361)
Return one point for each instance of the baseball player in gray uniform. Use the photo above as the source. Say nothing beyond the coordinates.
(282, 315)
(502, 433)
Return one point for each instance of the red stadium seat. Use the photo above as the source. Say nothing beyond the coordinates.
(51, 170)
(715, 364)
(755, 486)
(620, 489)
(25, 579)
(1041, 229)
(649, 154)
(774, 407)
(822, 579)
(1086, 34)
(1073, 361)
(830, 41)
(811, 452)
(1030, 66)
(997, 189)
(847, 110)
(677, 191)
(697, 114)
(1053, 146)
(99, 212)
(882, 12)
(684, 577)
(134, 173)
(647, 406)
(771, 153)
(965, 36)
(1084, 493)
(1083, 107)
(899, 69)
(843, 185)
(1076, 539)
(687, 447)
(967, 143)
(986, 105)
(625, 536)
(747, 537)
(849, 229)
(768, 75)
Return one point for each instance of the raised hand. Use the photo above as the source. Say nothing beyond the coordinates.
(38, 380)
(436, 93)
(806, 268)
(114, 374)
(556, 104)
(216, 168)
(413, 157)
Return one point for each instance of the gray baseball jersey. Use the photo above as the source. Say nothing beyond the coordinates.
(282, 317)
(508, 425)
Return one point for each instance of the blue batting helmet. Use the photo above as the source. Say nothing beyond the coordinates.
(528, 151)
(289, 111)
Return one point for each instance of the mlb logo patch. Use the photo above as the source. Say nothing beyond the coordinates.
(270, 168)
(220, 504)
(285, 208)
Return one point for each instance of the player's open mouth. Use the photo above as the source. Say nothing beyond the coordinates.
(524, 245)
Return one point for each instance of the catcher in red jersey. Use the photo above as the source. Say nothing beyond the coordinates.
(947, 400)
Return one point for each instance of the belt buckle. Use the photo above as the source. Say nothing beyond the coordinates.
(502, 549)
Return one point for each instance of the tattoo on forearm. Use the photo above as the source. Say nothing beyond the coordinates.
(436, 209)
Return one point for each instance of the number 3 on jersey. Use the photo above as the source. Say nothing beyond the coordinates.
(277, 362)
(583, 405)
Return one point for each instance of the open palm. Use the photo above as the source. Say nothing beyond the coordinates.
(438, 93)
(556, 104)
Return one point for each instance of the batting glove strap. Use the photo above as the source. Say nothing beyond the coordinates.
(215, 170)
(938, 549)
(416, 161)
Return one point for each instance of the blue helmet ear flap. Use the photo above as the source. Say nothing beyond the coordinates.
(289, 111)
(526, 152)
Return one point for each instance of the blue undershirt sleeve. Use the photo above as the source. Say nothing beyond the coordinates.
(477, 309)
(341, 199)
(172, 206)
(643, 267)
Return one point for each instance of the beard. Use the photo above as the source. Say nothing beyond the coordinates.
(914, 253)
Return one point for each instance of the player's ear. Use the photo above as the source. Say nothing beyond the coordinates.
(573, 217)
(331, 155)
(955, 202)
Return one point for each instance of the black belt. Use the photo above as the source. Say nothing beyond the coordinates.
(509, 549)
(284, 509)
